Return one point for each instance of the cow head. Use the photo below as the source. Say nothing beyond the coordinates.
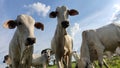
(62, 14)
(7, 60)
(25, 28)
(48, 52)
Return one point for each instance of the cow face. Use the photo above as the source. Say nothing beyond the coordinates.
(25, 28)
(7, 60)
(62, 14)
(47, 52)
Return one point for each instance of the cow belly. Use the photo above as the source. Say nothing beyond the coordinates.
(110, 43)
(111, 46)
(109, 37)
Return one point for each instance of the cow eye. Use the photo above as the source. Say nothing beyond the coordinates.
(45, 52)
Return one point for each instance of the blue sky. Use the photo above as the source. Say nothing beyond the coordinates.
(92, 14)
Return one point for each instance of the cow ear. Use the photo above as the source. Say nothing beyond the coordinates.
(53, 14)
(42, 51)
(39, 25)
(51, 52)
(73, 12)
(11, 24)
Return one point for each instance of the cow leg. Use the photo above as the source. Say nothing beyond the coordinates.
(94, 64)
(54, 62)
(26, 63)
(69, 60)
(10, 66)
(100, 49)
(36, 66)
(44, 65)
(76, 66)
(65, 61)
(15, 63)
(100, 58)
(59, 62)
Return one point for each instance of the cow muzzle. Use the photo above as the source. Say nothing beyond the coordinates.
(30, 41)
(48, 57)
(65, 24)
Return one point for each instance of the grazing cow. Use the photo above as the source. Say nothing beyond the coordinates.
(109, 54)
(95, 42)
(22, 40)
(62, 42)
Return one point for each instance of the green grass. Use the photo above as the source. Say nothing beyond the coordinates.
(113, 63)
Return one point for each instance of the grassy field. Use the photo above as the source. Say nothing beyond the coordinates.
(54, 66)
(113, 63)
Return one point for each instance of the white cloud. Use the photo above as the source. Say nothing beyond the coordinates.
(75, 33)
(116, 14)
(39, 8)
(117, 7)
(74, 30)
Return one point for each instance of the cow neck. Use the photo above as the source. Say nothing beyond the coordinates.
(20, 38)
(60, 38)
(60, 31)
(19, 35)
(16, 41)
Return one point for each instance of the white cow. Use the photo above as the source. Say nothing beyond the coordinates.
(95, 42)
(39, 60)
(42, 59)
(62, 42)
(23, 39)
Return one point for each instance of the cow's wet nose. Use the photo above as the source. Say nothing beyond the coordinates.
(48, 57)
(31, 41)
(65, 24)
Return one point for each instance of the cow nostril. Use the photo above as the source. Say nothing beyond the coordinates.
(48, 57)
(31, 41)
(4, 61)
(65, 24)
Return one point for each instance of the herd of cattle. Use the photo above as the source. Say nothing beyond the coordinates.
(94, 42)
